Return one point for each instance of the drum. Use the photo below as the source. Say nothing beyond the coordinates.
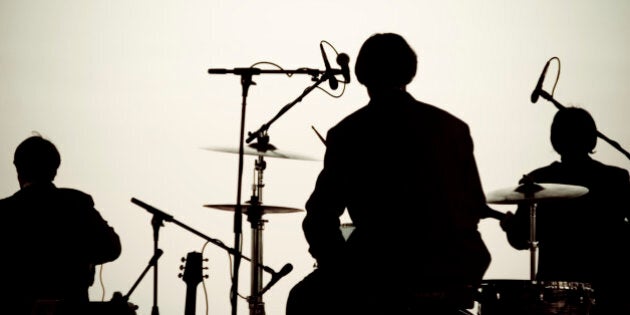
(524, 297)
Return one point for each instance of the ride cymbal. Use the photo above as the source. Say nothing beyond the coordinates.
(532, 192)
(246, 207)
(255, 149)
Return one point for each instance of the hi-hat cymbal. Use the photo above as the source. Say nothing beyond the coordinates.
(532, 192)
(270, 150)
(246, 207)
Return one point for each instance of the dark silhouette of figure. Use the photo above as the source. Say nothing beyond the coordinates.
(406, 173)
(52, 240)
(583, 239)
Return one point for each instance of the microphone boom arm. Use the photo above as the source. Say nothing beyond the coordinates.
(261, 131)
(170, 218)
(613, 143)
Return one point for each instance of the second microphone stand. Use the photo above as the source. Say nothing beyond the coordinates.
(257, 266)
(246, 81)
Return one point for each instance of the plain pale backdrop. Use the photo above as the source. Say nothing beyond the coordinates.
(122, 88)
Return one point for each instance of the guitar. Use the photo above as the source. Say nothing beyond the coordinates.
(192, 276)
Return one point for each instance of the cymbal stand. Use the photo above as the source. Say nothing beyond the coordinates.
(254, 216)
(529, 188)
(533, 243)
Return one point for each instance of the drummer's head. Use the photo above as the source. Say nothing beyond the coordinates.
(573, 132)
(385, 61)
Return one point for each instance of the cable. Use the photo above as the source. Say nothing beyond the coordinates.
(557, 75)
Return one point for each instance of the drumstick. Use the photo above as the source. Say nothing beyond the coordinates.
(319, 135)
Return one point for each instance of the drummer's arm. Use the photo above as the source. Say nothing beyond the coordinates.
(517, 233)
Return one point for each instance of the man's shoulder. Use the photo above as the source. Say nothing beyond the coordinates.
(542, 172)
(74, 194)
(71, 191)
(5, 201)
(12, 199)
(609, 167)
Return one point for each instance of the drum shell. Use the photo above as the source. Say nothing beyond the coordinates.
(525, 297)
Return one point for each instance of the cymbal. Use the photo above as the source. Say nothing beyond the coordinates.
(532, 192)
(269, 150)
(245, 208)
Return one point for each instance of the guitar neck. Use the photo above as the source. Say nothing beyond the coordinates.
(191, 300)
(192, 277)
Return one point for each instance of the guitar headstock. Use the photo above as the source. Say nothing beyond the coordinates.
(192, 274)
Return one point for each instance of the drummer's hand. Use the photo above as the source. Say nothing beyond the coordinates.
(506, 222)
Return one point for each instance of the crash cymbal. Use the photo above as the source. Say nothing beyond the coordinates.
(255, 149)
(245, 208)
(532, 192)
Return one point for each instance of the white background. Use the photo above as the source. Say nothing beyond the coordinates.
(122, 88)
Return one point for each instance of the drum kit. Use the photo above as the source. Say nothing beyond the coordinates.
(496, 297)
(523, 297)
(255, 209)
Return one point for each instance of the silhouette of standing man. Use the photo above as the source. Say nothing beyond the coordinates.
(406, 173)
(55, 239)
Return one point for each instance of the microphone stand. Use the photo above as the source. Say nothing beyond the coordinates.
(156, 222)
(152, 263)
(246, 81)
(119, 304)
(169, 218)
(257, 291)
(234, 252)
(613, 143)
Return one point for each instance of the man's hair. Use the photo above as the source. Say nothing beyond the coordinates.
(386, 60)
(36, 159)
(573, 131)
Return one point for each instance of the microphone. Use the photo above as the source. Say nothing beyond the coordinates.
(277, 276)
(536, 92)
(343, 60)
(332, 81)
